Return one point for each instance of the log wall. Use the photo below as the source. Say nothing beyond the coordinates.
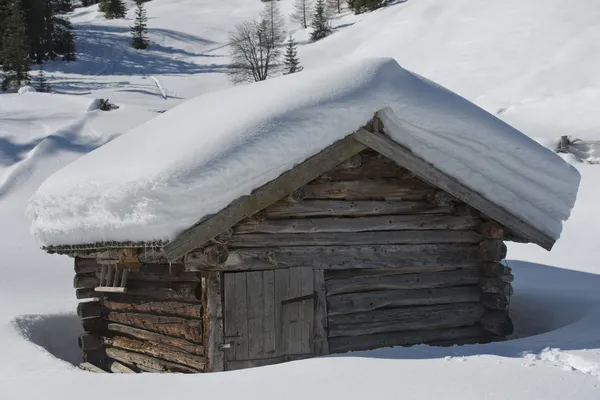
(156, 326)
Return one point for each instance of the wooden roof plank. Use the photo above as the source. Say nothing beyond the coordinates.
(426, 171)
(262, 197)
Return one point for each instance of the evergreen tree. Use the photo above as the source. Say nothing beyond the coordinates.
(113, 8)
(360, 6)
(274, 23)
(320, 22)
(63, 6)
(291, 61)
(63, 40)
(139, 30)
(42, 83)
(15, 55)
(87, 3)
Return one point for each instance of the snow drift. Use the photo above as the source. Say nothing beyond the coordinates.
(163, 176)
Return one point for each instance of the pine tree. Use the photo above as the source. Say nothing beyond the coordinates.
(42, 83)
(291, 61)
(139, 30)
(360, 6)
(15, 54)
(63, 40)
(274, 23)
(320, 22)
(113, 8)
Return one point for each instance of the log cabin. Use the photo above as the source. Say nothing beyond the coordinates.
(365, 244)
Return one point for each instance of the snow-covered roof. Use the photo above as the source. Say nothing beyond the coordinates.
(162, 177)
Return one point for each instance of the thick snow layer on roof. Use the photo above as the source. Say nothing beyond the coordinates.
(163, 176)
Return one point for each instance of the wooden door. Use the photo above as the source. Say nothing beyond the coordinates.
(268, 316)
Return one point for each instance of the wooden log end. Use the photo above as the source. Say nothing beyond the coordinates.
(492, 250)
(491, 229)
(497, 322)
(87, 366)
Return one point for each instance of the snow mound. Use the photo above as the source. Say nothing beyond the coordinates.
(162, 177)
(94, 105)
(26, 89)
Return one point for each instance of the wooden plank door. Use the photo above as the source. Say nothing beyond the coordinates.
(268, 316)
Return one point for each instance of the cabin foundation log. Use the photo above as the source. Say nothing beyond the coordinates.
(147, 363)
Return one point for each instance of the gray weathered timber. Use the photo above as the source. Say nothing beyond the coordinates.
(179, 291)
(353, 239)
(88, 341)
(368, 164)
(262, 197)
(353, 273)
(409, 257)
(397, 318)
(359, 224)
(86, 266)
(369, 301)
(213, 322)
(87, 293)
(370, 190)
(85, 281)
(189, 347)
(492, 250)
(159, 351)
(173, 308)
(491, 229)
(147, 363)
(118, 368)
(494, 270)
(320, 341)
(342, 208)
(367, 342)
(434, 176)
(152, 275)
(95, 325)
(189, 329)
(235, 365)
(404, 281)
(89, 309)
(86, 366)
(497, 322)
(496, 285)
(494, 301)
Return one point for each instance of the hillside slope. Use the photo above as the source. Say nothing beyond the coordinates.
(533, 63)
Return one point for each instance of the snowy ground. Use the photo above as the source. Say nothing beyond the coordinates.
(532, 63)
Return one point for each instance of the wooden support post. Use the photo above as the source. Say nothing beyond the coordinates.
(321, 342)
(213, 322)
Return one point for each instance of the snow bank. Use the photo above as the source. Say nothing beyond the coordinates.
(162, 177)
(26, 89)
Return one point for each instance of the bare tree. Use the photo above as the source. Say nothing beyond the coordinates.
(254, 53)
(273, 18)
(334, 6)
(303, 10)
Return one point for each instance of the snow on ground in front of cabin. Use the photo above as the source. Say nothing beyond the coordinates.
(532, 63)
(114, 194)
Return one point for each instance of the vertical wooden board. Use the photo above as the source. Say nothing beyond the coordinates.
(282, 323)
(293, 310)
(270, 329)
(320, 338)
(240, 348)
(306, 310)
(254, 301)
(213, 321)
(229, 306)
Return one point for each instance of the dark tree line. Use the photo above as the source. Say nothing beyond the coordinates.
(360, 6)
(33, 31)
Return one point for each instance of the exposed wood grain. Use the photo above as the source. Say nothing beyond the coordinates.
(178, 291)
(434, 176)
(188, 310)
(159, 351)
(171, 326)
(369, 301)
(254, 315)
(404, 281)
(320, 336)
(147, 363)
(262, 197)
(353, 239)
(213, 322)
(405, 319)
(342, 208)
(353, 273)
(359, 224)
(354, 257)
(86, 366)
(189, 347)
(118, 368)
(407, 338)
(366, 165)
(388, 189)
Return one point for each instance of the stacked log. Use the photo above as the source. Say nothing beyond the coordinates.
(156, 326)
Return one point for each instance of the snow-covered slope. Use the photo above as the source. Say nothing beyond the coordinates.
(533, 63)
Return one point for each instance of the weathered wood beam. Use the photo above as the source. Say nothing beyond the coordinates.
(389, 189)
(359, 224)
(87, 293)
(407, 338)
(403, 318)
(497, 322)
(366, 165)
(342, 208)
(177, 343)
(353, 239)
(89, 342)
(89, 309)
(86, 266)
(85, 281)
(262, 197)
(213, 322)
(172, 308)
(320, 341)
(407, 257)
(86, 366)
(492, 250)
(403, 282)
(159, 351)
(496, 285)
(494, 301)
(368, 301)
(118, 368)
(189, 329)
(147, 363)
(405, 158)
(94, 325)
(491, 229)
(177, 291)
